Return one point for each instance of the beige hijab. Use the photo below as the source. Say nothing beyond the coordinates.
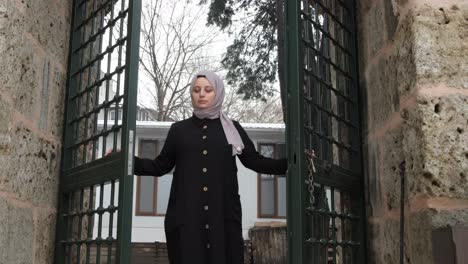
(214, 111)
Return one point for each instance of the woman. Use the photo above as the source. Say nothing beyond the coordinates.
(203, 218)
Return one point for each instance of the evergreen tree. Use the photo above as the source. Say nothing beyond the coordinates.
(252, 59)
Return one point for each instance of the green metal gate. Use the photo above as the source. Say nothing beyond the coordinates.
(325, 208)
(95, 196)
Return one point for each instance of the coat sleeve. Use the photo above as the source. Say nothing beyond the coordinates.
(163, 163)
(255, 161)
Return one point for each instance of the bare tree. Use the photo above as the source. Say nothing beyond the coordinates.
(175, 43)
(253, 110)
(173, 48)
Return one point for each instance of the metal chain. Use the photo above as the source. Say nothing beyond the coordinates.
(311, 171)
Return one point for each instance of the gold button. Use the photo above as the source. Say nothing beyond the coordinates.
(205, 189)
(208, 245)
(207, 226)
(205, 127)
(205, 170)
(205, 152)
(205, 207)
(204, 137)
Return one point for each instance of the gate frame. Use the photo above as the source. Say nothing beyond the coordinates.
(296, 189)
(122, 161)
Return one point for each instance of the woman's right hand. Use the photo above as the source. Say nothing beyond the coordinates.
(110, 151)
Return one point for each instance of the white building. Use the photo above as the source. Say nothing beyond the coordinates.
(263, 197)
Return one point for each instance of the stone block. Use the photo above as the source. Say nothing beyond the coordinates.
(364, 107)
(375, 25)
(392, 164)
(441, 44)
(31, 170)
(21, 76)
(31, 39)
(56, 101)
(5, 117)
(374, 197)
(4, 229)
(437, 129)
(46, 23)
(3, 17)
(430, 47)
(391, 18)
(44, 226)
(382, 92)
(5, 141)
(16, 233)
(363, 6)
(420, 226)
(404, 57)
(384, 241)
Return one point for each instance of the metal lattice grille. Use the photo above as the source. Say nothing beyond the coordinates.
(332, 227)
(96, 189)
(91, 225)
(331, 128)
(96, 94)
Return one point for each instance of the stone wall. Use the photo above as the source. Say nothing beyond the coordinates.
(33, 51)
(414, 78)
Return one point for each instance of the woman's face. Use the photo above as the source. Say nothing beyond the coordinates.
(203, 93)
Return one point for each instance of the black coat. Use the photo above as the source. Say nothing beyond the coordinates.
(203, 218)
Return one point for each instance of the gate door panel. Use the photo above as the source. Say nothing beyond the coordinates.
(325, 208)
(95, 196)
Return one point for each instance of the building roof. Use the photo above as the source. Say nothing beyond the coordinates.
(246, 126)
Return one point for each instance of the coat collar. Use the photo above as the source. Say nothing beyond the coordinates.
(200, 122)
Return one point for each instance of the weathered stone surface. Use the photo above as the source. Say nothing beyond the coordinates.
(430, 47)
(391, 18)
(441, 45)
(5, 117)
(56, 106)
(5, 140)
(382, 92)
(437, 128)
(44, 228)
(33, 34)
(4, 229)
(24, 51)
(420, 226)
(384, 241)
(374, 195)
(392, 165)
(404, 61)
(31, 168)
(374, 37)
(16, 232)
(39, 19)
(21, 69)
(362, 7)
(3, 17)
(432, 147)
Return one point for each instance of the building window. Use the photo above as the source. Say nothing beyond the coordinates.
(272, 188)
(152, 192)
(112, 115)
(143, 115)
